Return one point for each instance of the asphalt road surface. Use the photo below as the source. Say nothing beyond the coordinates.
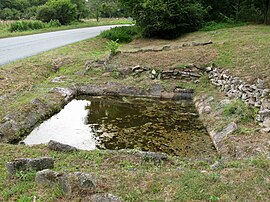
(15, 48)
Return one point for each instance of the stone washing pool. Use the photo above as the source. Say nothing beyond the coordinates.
(115, 123)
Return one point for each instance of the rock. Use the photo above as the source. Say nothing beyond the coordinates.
(266, 123)
(225, 132)
(133, 69)
(216, 165)
(225, 102)
(260, 84)
(208, 69)
(27, 164)
(265, 104)
(70, 183)
(49, 178)
(78, 182)
(156, 90)
(59, 79)
(167, 95)
(153, 74)
(64, 92)
(153, 156)
(201, 43)
(90, 90)
(57, 146)
(207, 110)
(265, 130)
(106, 74)
(181, 90)
(263, 114)
(104, 198)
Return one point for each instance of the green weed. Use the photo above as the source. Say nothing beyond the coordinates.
(240, 110)
(113, 46)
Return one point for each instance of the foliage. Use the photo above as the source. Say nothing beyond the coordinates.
(46, 13)
(65, 10)
(105, 9)
(168, 19)
(121, 34)
(113, 46)
(25, 25)
(20, 26)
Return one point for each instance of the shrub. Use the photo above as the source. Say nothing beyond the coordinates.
(121, 34)
(25, 25)
(54, 23)
(62, 10)
(65, 10)
(113, 46)
(46, 13)
(20, 26)
(169, 18)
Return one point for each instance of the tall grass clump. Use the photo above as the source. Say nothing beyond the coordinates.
(122, 34)
(20, 26)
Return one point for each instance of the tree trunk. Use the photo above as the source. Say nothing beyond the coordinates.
(266, 9)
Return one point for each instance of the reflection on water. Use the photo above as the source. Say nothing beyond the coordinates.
(68, 127)
(122, 122)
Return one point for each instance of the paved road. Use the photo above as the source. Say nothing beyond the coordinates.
(15, 48)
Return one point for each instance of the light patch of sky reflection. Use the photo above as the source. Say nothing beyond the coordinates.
(68, 127)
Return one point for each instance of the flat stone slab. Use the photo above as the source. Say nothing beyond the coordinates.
(219, 136)
(57, 146)
(28, 164)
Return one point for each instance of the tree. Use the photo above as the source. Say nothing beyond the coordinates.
(266, 9)
(166, 18)
(62, 10)
(82, 10)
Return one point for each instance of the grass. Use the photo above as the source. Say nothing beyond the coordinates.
(211, 26)
(4, 26)
(134, 179)
(241, 50)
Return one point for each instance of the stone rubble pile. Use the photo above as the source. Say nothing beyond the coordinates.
(251, 94)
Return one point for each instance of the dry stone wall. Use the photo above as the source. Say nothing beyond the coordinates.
(255, 95)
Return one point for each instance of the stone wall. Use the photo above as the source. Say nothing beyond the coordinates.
(255, 95)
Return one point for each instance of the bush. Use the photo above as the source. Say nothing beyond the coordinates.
(54, 23)
(25, 25)
(20, 26)
(113, 46)
(62, 10)
(169, 18)
(9, 14)
(46, 13)
(121, 34)
(65, 10)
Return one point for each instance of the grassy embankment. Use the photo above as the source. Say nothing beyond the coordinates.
(241, 50)
(4, 26)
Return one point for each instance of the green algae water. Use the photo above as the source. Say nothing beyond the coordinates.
(171, 127)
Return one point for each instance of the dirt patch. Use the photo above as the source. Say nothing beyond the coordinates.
(166, 59)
